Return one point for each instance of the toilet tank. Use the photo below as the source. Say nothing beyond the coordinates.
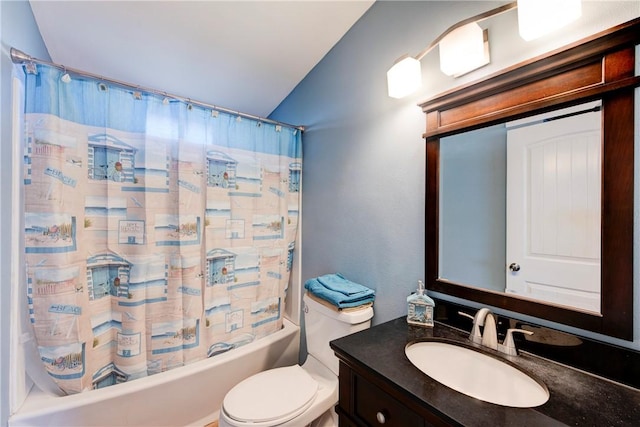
(323, 324)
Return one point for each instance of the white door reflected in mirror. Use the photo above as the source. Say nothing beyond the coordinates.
(520, 207)
(553, 208)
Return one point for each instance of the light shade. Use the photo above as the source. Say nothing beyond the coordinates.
(539, 17)
(404, 77)
(463, 50)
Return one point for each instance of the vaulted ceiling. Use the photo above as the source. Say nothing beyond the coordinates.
(242, 55)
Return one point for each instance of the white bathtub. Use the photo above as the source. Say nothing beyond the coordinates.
(186, 396)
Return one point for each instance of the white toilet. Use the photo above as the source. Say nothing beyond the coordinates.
(297, 395)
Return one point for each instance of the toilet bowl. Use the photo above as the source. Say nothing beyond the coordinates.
(296, 396)
(290, 396)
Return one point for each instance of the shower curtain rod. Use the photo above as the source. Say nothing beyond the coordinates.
(19, 57)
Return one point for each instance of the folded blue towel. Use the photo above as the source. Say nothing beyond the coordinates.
(352, 295)
(338, 283)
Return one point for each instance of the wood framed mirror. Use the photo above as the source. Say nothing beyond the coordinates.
(598, 68)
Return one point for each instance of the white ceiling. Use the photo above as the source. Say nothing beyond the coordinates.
(243, 55)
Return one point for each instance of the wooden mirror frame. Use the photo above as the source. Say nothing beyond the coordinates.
(598, 67)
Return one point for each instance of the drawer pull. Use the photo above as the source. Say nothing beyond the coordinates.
(381, 418)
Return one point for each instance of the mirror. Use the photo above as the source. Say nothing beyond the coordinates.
(599, 69)
(520, 207)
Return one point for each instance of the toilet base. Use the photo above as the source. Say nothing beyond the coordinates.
(328, 419)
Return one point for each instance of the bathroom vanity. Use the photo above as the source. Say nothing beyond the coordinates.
(380, 387)
(590, 383)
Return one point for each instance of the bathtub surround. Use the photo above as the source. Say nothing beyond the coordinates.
(18, 28)
(157, 233)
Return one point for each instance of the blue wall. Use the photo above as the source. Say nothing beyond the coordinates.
(363, 178)
(473, 207)
(19, 30)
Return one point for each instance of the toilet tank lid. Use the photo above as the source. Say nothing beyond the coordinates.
(351, 316)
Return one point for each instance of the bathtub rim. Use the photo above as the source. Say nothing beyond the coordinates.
(39, 403)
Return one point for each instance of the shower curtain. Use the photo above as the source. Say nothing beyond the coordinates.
(157, 233)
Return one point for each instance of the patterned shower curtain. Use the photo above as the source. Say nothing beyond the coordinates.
(157, 233)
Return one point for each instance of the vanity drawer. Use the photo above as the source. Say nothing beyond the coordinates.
(376, 408)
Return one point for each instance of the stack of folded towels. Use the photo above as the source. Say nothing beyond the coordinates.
(341, 293)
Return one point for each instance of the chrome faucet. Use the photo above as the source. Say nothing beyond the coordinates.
(478, 320)
(489, 335)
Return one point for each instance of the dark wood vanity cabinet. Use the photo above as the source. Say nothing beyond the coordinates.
(366, 401)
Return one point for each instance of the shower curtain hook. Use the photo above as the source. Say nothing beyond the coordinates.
(66, 78)
(31, 67)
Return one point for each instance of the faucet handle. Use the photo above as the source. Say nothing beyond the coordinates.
(475, 336)
(462, 313)
(509, 346)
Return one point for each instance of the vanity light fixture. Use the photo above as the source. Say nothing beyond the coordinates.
(539, 17)
(464, 49)
(464, 46)
(404, 77)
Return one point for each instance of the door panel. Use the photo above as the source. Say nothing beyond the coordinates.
(553, 210)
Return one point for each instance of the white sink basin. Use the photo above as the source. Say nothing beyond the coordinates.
(476, 374)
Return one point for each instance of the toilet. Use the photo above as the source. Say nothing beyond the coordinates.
(297, 395)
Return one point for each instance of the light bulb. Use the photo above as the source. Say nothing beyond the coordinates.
(404, 77)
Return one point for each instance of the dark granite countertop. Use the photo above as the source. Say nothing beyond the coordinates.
(576, 398)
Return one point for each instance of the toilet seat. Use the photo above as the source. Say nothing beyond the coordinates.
(271, 397)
